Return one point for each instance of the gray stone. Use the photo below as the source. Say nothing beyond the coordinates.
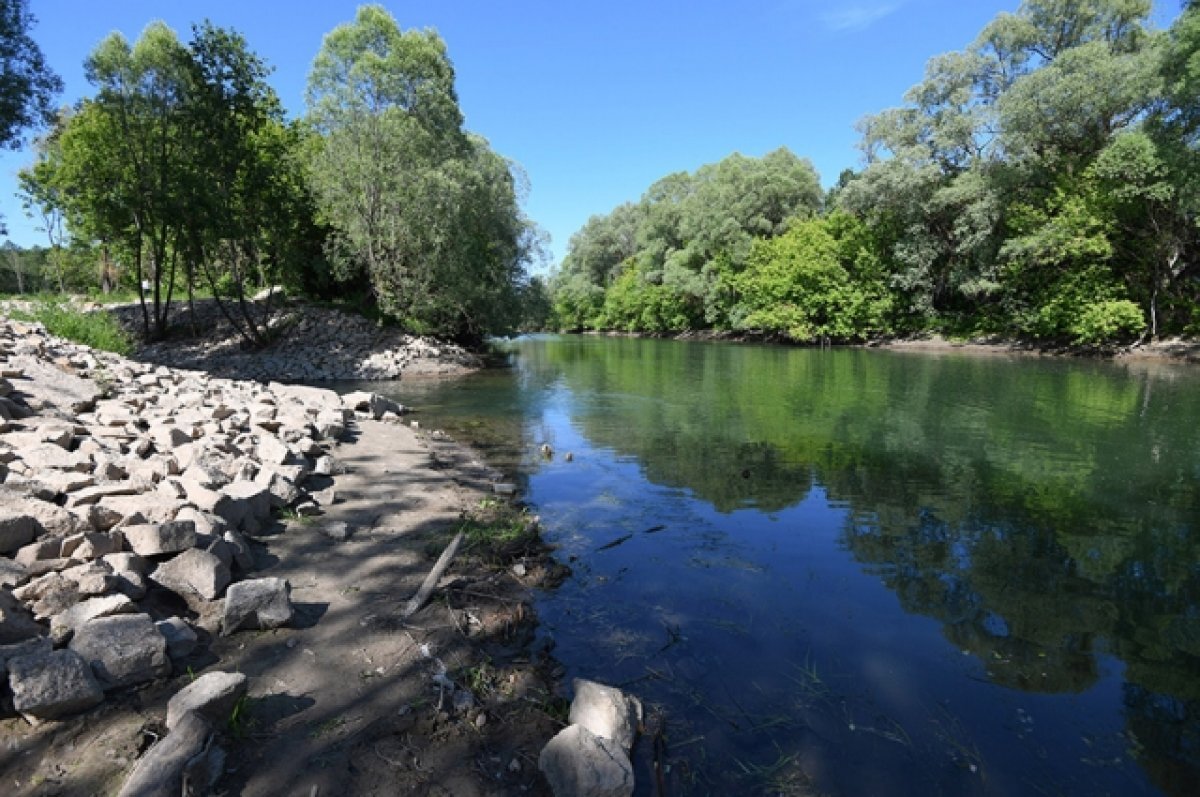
(252, 503)
(194, 573)
(336, 530)
(606, 711)
(123, 650)
(66, 623)
(28, 647)
(91, 495)
(212, 696)
(16, 529)
(181, 639)
(12, 573)
(92, 545)
(183, 762)
(271, 450)
(153, 507)
(283, 492)
(153, 539)
(52, 685)
(16, 621)
(243, 557)
(258, 603)
(206, 522)
(578, 763)
(331, 424)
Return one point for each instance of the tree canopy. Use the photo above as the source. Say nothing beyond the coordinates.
(1040, 183)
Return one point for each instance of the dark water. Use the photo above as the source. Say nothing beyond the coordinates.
(878, 572)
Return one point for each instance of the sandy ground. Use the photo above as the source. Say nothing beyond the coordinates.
(345, 702)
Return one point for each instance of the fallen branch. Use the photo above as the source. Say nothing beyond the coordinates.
(427, 586)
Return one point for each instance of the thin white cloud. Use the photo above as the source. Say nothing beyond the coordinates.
(857, 16)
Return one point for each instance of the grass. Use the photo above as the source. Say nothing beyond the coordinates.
(99, 330)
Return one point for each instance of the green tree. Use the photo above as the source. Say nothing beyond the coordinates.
(27, 85)
(427, 213)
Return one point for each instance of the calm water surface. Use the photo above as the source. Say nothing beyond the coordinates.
(866, 572)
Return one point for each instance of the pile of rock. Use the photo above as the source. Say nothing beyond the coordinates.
(310, 344)
(590, 757)
(122, 479)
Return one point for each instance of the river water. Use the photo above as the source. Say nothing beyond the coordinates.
(865, 572)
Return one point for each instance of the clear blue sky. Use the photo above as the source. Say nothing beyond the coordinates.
(595, 100)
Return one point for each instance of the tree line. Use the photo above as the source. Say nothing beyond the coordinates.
(1042, 183)
(182, 173)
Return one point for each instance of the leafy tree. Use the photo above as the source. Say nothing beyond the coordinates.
(816, 282)
(27, 85)
(425, 212)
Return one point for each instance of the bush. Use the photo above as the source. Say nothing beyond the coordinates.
(99, 330)
(1110, 321)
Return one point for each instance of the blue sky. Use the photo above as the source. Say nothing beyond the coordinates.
(595, 100)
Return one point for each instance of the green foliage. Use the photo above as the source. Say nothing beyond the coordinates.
(666, 264)
(814, 283)
(27, 85)
(97, 329)
(426, 212)
(1106, 321)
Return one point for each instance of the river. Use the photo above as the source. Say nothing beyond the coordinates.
(865, 571)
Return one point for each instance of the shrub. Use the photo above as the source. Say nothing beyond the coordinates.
(1109, 321)
(99, 330)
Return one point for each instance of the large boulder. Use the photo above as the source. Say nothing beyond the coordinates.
(606, 711)
(154, 539)
(51, 685)
(194, 573)
(16, 529)
(578, 763)
(123, 650)
(74, 618)
(257, 603)
(212, 695)
(16, 622)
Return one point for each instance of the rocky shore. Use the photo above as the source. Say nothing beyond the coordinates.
(311, 343)
(202, 577)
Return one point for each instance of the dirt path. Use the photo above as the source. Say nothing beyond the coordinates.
(348, 701)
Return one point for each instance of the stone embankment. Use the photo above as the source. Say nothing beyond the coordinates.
(310, 343)
(131, 488)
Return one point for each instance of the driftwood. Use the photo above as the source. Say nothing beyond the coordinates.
(160, 773)
(417, 601)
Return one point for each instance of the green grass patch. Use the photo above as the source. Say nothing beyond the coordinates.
(99, 330)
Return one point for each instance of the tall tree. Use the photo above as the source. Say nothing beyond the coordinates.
(27, 85)
(427, 213)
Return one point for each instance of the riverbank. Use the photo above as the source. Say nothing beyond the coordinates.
(136, 494)
(1168, 349)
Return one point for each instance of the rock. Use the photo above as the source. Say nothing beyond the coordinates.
(92, 545)
(283, 492)
(153, 539)
(16, 622)
(12, 573)
(212, 696)
(251, 502)
(183, 762)
(123, 650)
(51, 518)
(324, 466)
(64, 624)
(152, 507)
(28, 647)
(129, 569)
(91, 495)
(337, 530)
(52, 685)
(258, 603)
(326, 497)
(577, 763)
(181, 639)
(606, 711)
(206, 522)
(194, 573)
(49, 595)
(271, 450)
(16, 529)
(331, 424)
(243, 557)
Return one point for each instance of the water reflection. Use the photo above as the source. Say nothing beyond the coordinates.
(842, 527)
